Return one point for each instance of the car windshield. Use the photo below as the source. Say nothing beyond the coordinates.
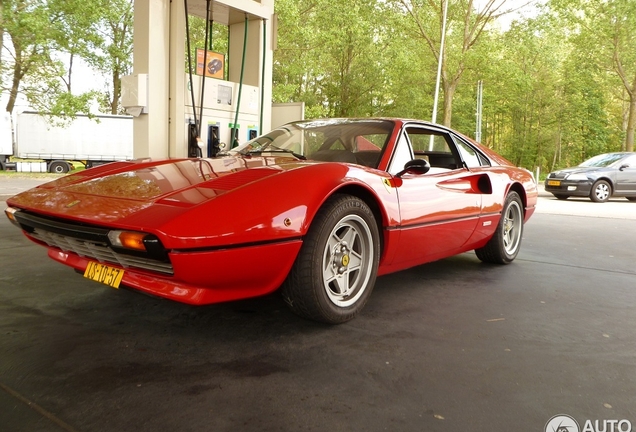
(602, 160)
(354, 141)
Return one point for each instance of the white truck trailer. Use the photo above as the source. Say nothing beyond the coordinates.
(6, 139)
(102, 139)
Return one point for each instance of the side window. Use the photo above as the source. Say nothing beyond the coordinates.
(434, 146)
(425, 142)
(631, 161)
(472, 158)
(443, 151)
(401, 156)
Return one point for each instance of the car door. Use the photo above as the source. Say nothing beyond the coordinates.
(439, 210)
(626, 177)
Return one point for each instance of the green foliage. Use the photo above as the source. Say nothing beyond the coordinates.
(333, 58)
(110, 43)
(40, 34)
(34, 32)
(549, 100)
(603, 32)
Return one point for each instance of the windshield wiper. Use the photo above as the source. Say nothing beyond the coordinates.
(274, 149)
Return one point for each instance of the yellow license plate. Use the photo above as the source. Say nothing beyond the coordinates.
(554, 182)
(110, 276)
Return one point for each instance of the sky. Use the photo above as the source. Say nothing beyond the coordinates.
(526, 9)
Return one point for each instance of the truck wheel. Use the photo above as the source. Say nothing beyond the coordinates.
(59, 167)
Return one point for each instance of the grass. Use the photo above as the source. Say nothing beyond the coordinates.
(42, 175)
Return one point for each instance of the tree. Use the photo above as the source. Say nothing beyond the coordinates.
(604, 30)
(73, 30)
(465, 25)
(521, 92)
(99, 32)
(115, 26)
(409, 73)
(23, 22)
(333, 58)
(32, 29)
(295, 60)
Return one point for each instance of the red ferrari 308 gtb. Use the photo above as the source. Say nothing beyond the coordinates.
(317, 208)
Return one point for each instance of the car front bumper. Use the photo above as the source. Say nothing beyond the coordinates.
(209, 276)
(568, 188)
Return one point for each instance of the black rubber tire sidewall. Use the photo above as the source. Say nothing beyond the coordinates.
(494, 251)
(303, 290)
(63, 165)
(593, 196)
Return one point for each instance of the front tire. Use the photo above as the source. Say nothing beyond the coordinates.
(337, 265)
(504, 245)
(601, 191)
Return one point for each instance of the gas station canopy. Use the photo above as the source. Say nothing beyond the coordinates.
(232, 12)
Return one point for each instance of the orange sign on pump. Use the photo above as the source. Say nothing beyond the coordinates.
(214, 64)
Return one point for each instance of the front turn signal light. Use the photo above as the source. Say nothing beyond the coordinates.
(128, 240)
(10, 212)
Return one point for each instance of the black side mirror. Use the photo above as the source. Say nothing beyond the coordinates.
(416, 166)
(622, 167)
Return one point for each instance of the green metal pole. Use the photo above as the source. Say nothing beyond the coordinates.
(260, 125)
(238, 102)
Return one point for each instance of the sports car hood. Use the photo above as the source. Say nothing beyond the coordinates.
(115, 191)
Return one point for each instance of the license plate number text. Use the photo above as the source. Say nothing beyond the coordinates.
(110, 276)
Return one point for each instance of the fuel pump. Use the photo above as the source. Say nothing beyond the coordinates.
(235, 90)
(216, 105)
(194, 150)
(214, 143)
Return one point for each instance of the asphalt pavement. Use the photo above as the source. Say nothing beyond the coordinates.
(14, 184)
(454, 345)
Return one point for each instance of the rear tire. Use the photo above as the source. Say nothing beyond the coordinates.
(504, 245)
(337, 265)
